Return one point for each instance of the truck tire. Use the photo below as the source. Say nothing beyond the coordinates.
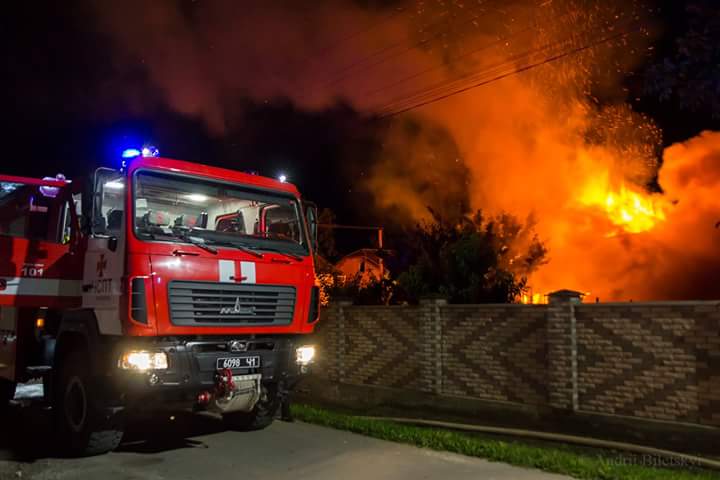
(259, 417)
(82, 427)
(7, 393)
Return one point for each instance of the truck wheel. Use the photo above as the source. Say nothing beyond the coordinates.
(7, 393)
(259, 417)
(82, 427)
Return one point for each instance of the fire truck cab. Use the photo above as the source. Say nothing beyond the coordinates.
(166, 285)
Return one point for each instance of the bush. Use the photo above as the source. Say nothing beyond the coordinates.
(474, 260)
(471, 260)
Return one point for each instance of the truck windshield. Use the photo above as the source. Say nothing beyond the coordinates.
(183, 209)
(34, 212)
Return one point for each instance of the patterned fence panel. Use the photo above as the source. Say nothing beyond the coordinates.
(382, 346)
(637, 361)
(494, 353)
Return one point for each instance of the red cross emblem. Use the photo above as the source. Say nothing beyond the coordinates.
(101, 265)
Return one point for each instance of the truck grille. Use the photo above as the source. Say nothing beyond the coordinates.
(212, 304)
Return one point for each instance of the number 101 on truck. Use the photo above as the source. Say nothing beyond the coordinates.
(166, 285)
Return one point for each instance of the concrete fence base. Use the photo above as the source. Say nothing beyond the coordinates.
(382, 401)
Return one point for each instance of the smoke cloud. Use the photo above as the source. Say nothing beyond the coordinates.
(619, 222)
(204, 56)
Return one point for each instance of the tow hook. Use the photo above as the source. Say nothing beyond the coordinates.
(224, 384)
(239, 393)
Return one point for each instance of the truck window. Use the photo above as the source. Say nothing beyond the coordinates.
(281, 221)
(172, 207)
(26, 212)
(67, 222)
(109, 206)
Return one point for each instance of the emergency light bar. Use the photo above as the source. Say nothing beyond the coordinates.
(148, 151)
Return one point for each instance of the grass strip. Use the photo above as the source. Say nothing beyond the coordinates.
(560, 459)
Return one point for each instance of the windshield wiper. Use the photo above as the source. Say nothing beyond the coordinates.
(297, 258)
(242, 248)
(199, 242)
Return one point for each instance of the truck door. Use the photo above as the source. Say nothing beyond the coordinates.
(105, 256)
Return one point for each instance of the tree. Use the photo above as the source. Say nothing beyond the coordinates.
(475, 260)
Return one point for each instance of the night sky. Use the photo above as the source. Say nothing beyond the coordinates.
(67, 113)
(70, 107)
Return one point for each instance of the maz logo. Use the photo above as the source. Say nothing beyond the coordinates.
(237, 309)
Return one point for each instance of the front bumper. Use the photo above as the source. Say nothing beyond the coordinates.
(192, 369)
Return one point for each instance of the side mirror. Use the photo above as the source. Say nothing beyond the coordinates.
(112, 243)
(311, 217)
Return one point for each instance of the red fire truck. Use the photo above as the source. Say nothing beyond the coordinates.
(163, 285)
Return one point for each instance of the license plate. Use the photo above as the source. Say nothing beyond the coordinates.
(234, 363)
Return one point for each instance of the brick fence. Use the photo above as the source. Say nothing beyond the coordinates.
(655, 361)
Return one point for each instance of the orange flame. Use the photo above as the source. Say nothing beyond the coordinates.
(628, 209)
(533, 298)
(633, 211)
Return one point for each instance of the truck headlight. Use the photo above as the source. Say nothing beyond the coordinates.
(143, 360)
(305, 354)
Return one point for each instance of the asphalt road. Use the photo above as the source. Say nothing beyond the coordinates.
(197, 447)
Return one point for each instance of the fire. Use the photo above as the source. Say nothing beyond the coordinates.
(631, 210)
(533, 298)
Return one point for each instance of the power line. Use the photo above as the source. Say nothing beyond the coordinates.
(394, 112)
(438, 67)
(527, 29)
(446, 85)
(345, 72)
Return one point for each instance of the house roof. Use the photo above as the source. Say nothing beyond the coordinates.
(565, 293)
(369, 254)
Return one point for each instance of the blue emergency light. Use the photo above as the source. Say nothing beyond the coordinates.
(131, 153)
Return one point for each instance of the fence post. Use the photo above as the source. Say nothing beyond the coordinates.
(562, 350)
(707, 326)
(341, 338)
(430, 341)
